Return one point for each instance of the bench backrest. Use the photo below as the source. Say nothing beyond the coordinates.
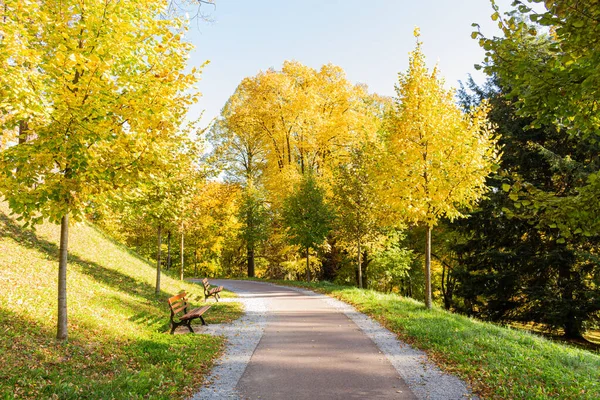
(178, 303)
(205, 283)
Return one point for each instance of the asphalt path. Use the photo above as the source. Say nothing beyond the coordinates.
(309, 350)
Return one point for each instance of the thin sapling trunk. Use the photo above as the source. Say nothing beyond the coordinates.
(62, 279)
(307, 266)
(182, 255)
(428, 300)
(158, 259)
(169, 250)
(360, 282)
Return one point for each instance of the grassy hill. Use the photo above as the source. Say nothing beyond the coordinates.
(117, 344)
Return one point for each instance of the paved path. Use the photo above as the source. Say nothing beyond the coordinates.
(309, 349)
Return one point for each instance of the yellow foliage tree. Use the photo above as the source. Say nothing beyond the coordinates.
(20, 78)
(214, 209)
(110, 78)
(307, 120)
(438, 157)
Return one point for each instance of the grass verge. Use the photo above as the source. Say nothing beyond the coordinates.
(119, 346)
(498, 362)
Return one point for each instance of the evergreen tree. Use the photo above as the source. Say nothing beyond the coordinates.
(513, 267)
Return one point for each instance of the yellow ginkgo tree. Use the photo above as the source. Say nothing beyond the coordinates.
(110, 77)
(438, 157)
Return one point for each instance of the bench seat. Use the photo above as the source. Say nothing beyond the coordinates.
(195, 313)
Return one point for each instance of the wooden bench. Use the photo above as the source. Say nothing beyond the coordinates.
(211, 292)
(179, 305)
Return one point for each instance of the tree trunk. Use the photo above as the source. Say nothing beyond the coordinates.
(182, 248)
(195, 263)
(360, 282)
(447, 286)
(169, 250)
(307, 266)
(250, 256)
(330, 262)
(573, 329)
(428, 269)
(365, 261)
(158, 260)
(572, 326)
(444, 293)
(23, 128)
(61, 333)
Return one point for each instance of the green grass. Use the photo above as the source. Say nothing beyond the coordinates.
(119, 346)
(498, 362)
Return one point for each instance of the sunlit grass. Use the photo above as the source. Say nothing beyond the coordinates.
(119, 346)
(498, 362)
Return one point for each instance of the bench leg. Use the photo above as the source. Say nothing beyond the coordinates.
(202, 319)
(189, 325)
(174, 326)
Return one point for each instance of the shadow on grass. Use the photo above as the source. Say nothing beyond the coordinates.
(36, 365)
(155, 316)
(109, 277)
(158, 320)
(24, 236)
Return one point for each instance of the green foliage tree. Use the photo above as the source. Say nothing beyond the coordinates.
(255, 218)
(307, 216)
(391, 265)
(548, 61)
(110, 82)
(438, 156)
(357, 201)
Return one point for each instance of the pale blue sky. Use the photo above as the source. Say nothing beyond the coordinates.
(370, 40)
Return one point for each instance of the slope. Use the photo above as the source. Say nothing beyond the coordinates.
(117, 344)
